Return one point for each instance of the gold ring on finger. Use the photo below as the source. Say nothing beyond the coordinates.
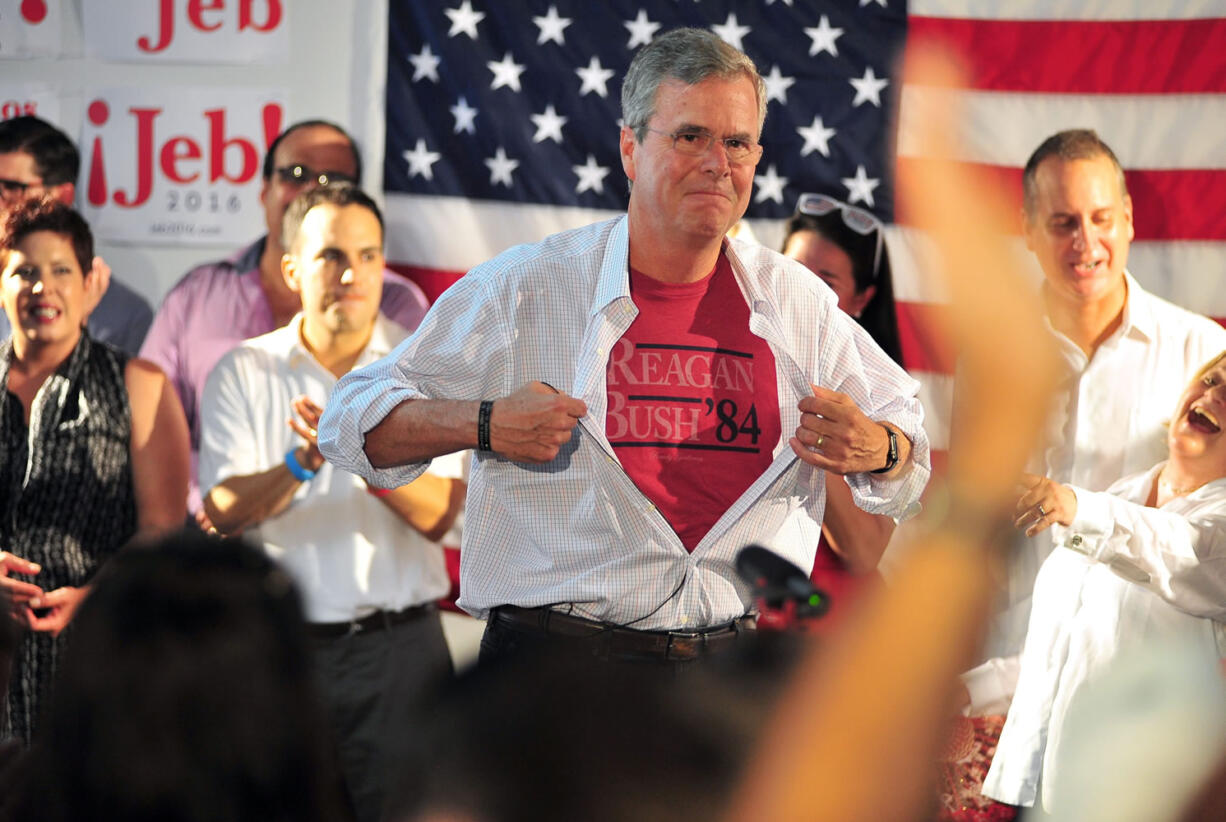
(820, 439)
(1042, 510)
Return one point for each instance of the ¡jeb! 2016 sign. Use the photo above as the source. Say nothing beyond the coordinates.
(188, 31)
(176, 166)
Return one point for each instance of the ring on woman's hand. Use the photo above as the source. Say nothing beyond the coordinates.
(820, 439)
(1042, 511)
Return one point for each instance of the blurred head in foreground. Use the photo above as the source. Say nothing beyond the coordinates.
(552, 739)
(186, 695)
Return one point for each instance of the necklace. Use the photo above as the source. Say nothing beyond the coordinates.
(1176, 490)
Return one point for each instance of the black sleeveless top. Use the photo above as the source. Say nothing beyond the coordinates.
(66, 495)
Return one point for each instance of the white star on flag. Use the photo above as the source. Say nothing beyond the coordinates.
(817, 137)
(501, 166)
(641, 30)
(595, 78)
(425, 64)
(731, 32)
(868, 88)
(548, 125)
(464, 20)
(464, 116)
(881, 3)
(506, 73)
(551, 26)
(823, 38)
(860, 188)
(770, 186)
(421, 159)
(591, 176)
(777, 85)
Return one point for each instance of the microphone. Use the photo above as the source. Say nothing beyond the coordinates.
(784, 593)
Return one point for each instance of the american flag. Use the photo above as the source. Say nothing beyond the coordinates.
(502, 118)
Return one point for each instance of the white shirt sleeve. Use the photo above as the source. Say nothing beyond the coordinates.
(1181, 556)
(458, 353)
(991, 685)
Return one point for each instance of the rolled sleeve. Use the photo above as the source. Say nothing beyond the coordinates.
(459, 352)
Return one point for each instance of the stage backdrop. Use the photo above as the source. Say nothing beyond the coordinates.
(501, 123)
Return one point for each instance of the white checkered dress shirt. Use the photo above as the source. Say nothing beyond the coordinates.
(577, 530)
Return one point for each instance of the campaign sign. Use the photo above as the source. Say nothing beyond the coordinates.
(176, 165)
(31, 28)
(18, 99)
(188, 31)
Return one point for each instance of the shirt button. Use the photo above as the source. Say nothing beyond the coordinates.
(1076, 541)
(685, 620)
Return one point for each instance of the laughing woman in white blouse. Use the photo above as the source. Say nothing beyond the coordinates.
(1143, 562)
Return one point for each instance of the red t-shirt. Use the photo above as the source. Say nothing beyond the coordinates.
(693, 405)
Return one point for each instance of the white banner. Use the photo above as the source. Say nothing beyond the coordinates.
(31, 28)
(188, 31)
(39, 99)
(176, 165)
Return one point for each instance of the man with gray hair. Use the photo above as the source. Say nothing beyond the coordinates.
(631, 388)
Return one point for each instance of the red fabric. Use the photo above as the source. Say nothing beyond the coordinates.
(1184, 56)
(693, 407)
(969, 748)
(830, 575)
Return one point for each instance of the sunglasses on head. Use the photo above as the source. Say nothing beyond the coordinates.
(857, 219)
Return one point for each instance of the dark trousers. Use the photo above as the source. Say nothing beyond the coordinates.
(375, 685)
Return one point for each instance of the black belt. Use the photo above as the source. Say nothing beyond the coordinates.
(378, 621)
(619, 641)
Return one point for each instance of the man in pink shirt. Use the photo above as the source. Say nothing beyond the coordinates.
(219, 304)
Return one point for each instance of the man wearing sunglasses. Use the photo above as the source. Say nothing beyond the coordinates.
(646, 397)
(219, 304)
(38, 160)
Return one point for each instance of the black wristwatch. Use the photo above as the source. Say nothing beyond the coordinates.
(891, 454)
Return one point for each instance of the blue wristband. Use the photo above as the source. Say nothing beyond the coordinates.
(301, 474)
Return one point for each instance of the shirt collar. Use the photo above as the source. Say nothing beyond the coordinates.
(1138, 317)
(385, 336)
(614, 280)
(248, 259)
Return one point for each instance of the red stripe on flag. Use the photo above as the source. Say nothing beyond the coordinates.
(1168, 204)
(924, 346)
(433, 281)
(1083, 56)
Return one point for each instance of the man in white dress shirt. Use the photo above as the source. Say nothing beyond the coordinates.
(646, 397)
(366, 559)
(1124, 351)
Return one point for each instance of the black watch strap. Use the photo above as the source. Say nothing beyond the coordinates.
(891, 454)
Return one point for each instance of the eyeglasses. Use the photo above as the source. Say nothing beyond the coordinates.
(857, 219)
(697, 142)
(301, 175)
(14, 189)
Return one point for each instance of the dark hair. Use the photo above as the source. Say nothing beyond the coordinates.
(879, 317)
(618, 741)
(1072, 144)
(55, 157)
(690, 55)
(185, 695)
(49, 214)
(269, 168)
(337, 194)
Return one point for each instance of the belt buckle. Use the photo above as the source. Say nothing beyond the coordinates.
(355, 627)
(687, 645)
